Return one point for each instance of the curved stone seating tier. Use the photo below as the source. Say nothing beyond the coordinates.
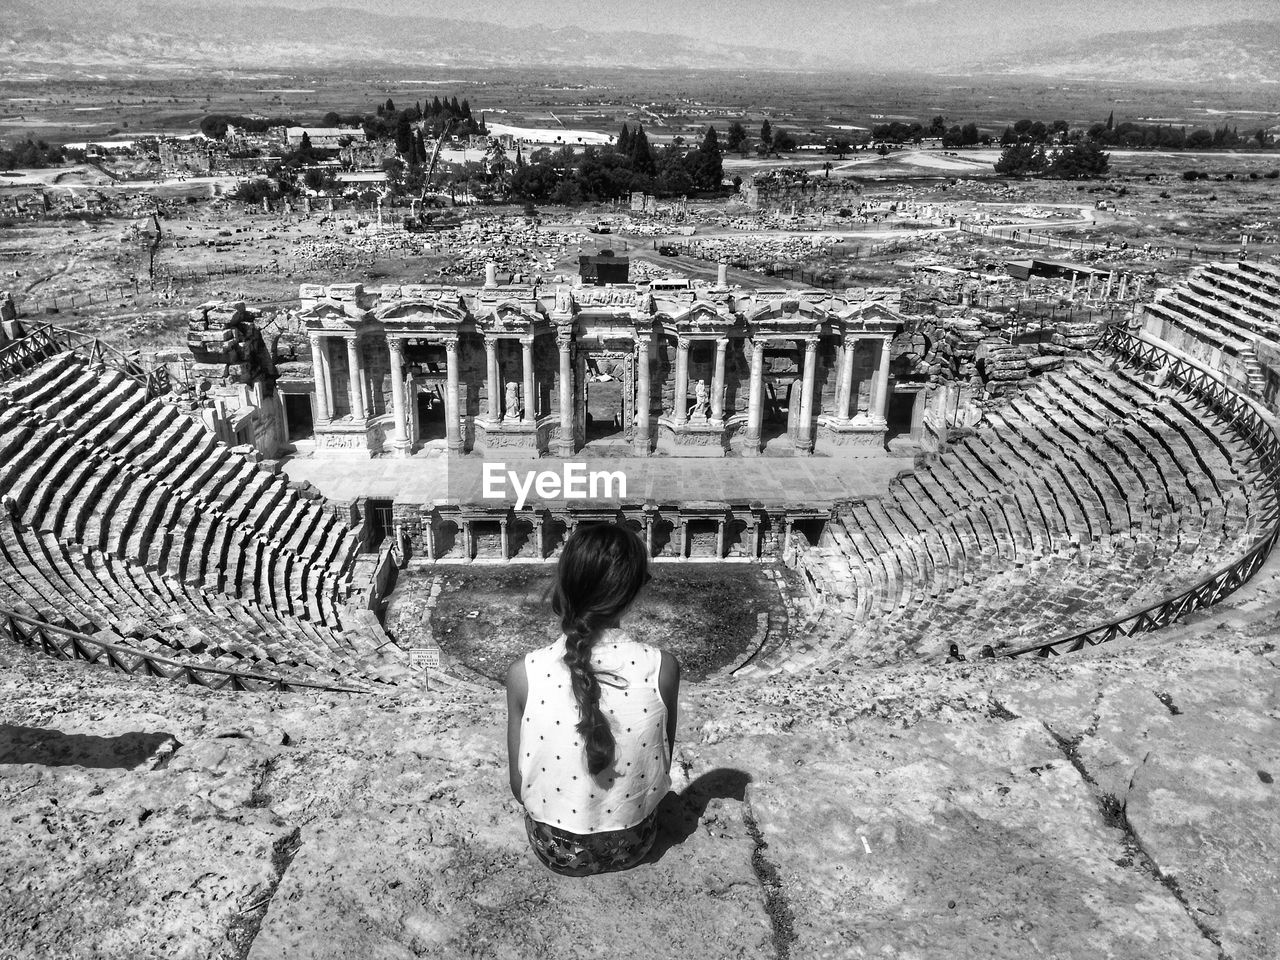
(1257, 298)
(1088, 494)
(155, 487)
(123, 516)
(94, 592)
(110, 413)
(1228, 305)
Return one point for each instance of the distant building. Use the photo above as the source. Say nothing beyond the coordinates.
(603, 268)
(323, 138)
(363, 178)
(1051, 269)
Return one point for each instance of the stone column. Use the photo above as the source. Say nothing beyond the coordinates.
(755, 402)
(880, 402)
(355, 372)
(396, 349)
(530, 398)
(681, 411)
(493, 388)
(566, 445)
(640, 440)
(844, 385)
(320, 370)
(717, 382)
(452, 421)
(804, 440)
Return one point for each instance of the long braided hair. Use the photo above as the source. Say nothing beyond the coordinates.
(602, 568)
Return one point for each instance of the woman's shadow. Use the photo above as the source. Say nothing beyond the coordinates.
(679, 814)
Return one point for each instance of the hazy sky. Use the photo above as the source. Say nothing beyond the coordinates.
(846, 30)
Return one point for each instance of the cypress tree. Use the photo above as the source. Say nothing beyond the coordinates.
(641, 155)
(711, 161)
(404, 136)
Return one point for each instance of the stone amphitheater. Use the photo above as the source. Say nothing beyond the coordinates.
(1027, 705)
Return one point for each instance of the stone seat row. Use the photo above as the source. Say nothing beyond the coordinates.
(108, 411)
(1216, 309)
(1227, 305)
(1198, 325)
(56, 483)
(97, 593)
(62, 477)
(1140, 455)
(1254, 312)
(1076, 498)
(1261, 272)
(1249, 291)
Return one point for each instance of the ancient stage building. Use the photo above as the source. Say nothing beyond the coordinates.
(698, 371)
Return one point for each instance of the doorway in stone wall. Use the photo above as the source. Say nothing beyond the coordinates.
(430, 411)
(607, 403)
(298, 415)
(781, 413)
(901, 414)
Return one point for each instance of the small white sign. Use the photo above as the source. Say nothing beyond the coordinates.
(428, 657)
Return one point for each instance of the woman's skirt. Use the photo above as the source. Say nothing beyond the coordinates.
(582, 854)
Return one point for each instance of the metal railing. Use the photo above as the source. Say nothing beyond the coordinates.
(47, 340)
(1250, 424)
(63, 644)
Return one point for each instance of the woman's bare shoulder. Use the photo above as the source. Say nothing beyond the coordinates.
(517, 678)
(669, 672)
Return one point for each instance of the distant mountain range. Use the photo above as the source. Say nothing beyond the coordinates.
(68, 38)
(1240, 53)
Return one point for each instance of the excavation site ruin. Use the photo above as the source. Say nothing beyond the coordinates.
(952, 447)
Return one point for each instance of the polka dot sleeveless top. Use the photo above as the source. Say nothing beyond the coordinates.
(557, 788)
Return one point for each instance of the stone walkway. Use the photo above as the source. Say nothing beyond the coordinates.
(773, 481)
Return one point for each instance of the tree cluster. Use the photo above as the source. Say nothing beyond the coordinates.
(630, 164)
(31, 153)
(1083, 160)
(1047, 133)
(390, 123)
(215, 125)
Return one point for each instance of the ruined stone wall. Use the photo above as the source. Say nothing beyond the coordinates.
(805, 195)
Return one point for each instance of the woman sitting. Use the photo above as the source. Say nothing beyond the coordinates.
(591, 719)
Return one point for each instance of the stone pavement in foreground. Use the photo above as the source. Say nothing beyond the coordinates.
(773, 481)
